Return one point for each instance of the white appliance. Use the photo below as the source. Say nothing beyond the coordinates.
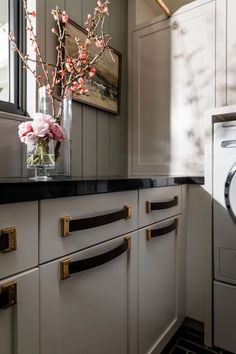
(224, 235)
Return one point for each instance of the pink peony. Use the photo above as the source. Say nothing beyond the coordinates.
(41, 128)
(24, 128)
(57, 132)
(30, 138)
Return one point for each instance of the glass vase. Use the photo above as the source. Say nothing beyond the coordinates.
(40, 157)
(62, 112)
(63, 160)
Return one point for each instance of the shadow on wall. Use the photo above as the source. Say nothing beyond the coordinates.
(193, 90)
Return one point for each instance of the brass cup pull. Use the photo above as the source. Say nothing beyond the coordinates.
(8, 295)
(8, 239)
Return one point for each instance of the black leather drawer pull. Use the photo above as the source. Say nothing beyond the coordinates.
(69, 225)
(8, 295)
(8, 239)
(161, 205)
(160, 232)
(68, 267)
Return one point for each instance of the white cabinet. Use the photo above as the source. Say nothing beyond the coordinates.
(18, 230)
(19, 323)
(172, 83)
(161, 282)
(103, 289)
(94, 310)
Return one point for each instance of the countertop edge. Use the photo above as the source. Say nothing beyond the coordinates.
(15, 190)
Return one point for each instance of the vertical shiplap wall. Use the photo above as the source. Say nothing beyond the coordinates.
(99, 139)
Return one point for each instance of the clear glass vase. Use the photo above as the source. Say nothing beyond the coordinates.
(62, 112)
(40, 157)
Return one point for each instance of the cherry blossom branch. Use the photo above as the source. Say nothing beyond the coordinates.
(72, 71)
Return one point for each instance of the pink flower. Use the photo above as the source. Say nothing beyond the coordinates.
(42, 124)
(57, 132)
(41, 128)
(92, 72)
(105, 10)
(33, 13)
(64, 17)
(99, 42)
(99, 3)
(53, 30)
(43, 117)
(56, 17)
(69, 65)
(24, 128)
(30, 138)
(83, 56)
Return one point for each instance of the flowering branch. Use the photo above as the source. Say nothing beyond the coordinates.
(71, 72)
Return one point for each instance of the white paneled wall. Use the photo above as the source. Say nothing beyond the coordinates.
(10, 147)
(99, 138)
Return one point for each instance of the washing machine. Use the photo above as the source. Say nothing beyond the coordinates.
(224, 235)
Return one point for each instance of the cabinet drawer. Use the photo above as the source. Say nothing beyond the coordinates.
(19, 323)
(88, 312)
(158, 204)
(96, 218)
(18, 237)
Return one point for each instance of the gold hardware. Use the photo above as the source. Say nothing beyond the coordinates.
(11, 232)
(129, 242)
(11, 289)
(148, 206)
(129, 212)
(148, 234)
(164, 7)
(64, 269)
(65, 226)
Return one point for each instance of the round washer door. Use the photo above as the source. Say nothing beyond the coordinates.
(230, 192)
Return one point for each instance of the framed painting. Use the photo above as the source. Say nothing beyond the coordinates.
(104, 86)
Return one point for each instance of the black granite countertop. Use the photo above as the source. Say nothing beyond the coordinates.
(14, 190)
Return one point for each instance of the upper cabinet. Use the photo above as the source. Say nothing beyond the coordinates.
(179, 67)
(172, 83)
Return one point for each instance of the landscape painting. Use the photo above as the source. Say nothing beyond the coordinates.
(104, 86)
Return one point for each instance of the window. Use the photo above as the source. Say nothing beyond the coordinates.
(12, 77)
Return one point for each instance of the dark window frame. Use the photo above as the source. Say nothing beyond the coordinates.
(17, 26)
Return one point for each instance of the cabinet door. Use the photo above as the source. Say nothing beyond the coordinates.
(158, 278)
(173, 83)
(89, 312)
(19, 230)
(19, 323)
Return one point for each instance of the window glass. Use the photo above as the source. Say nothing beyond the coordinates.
(4, 53)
